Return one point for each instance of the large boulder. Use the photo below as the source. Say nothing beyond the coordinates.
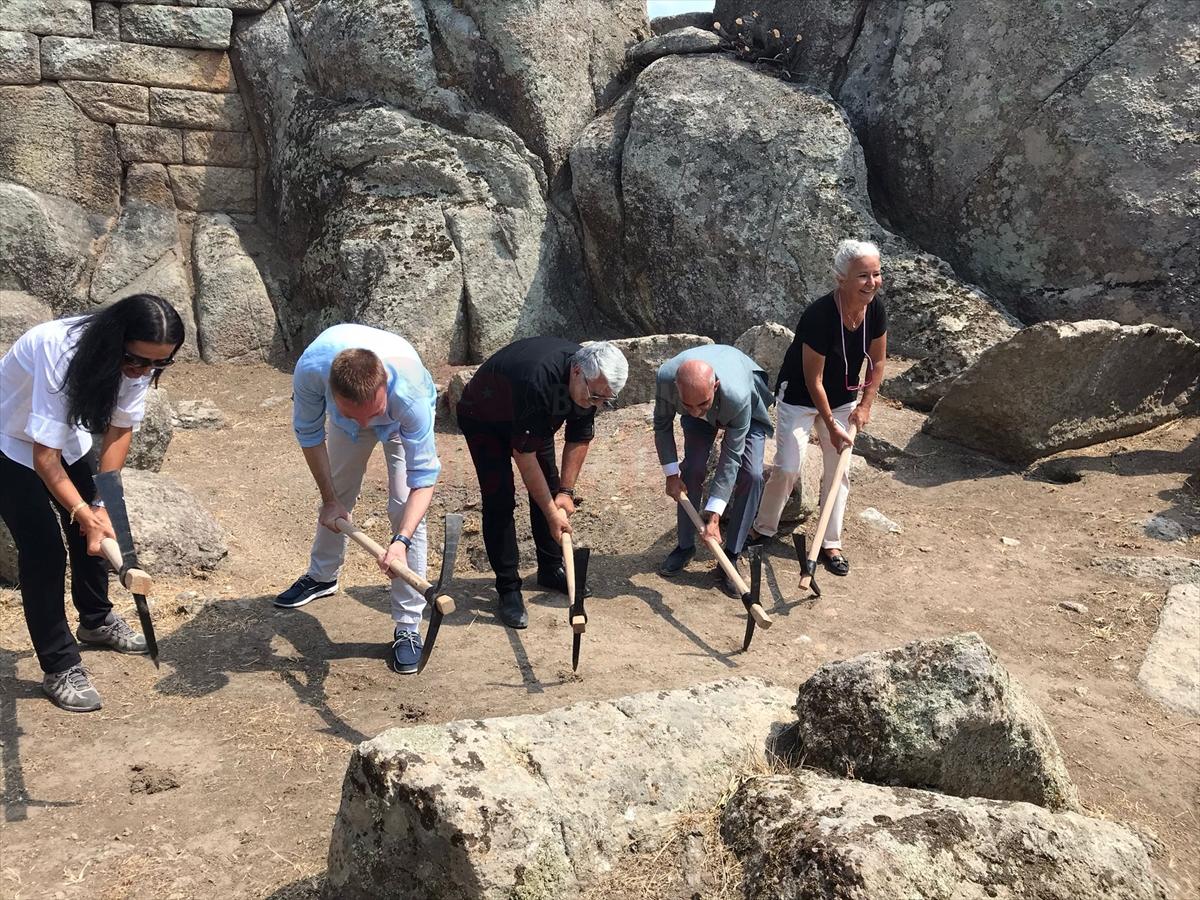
(645, 355)
(809, 836)
(18, 313)
(941, 714)
(538, 806)
(150, 441)
(1050, 162)
(173, 533)
(1059, 386)
(46, 246)
(767, 344)
(713, 196)
(235, 319)
(1171, 669)
(688, 39)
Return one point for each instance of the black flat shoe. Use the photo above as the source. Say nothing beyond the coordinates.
(512, 610)
(835, 565)
(676, 560)
(553, 579)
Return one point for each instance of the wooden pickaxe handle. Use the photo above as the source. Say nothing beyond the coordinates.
(578, 623)
(718, 552)
(843, 463)
(398, 569)
(136, 581)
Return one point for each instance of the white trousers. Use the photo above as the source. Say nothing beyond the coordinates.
(347, 464)
(791, 442)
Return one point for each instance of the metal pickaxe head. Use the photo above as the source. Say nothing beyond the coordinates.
(582, 555)
(808, 567)
(751, 599)
(440, 604)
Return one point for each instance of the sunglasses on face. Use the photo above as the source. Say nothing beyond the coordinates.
(142, 363)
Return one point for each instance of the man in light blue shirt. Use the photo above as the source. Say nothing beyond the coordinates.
(373, 388)
(711, 388)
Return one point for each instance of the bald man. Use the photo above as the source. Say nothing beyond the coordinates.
(712, 388)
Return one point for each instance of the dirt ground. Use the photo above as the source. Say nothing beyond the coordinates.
(219, 775)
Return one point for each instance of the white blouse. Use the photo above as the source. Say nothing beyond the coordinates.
(33, 405)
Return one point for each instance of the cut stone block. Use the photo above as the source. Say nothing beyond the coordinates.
(220, 148)
(197, 109)
(19, 59)
(48, 145)
(90, 60)
(148, 143)
(1171, 670)
(68, 17)
(109, 101)
(169, 26)
(106, 20)
(213, 188)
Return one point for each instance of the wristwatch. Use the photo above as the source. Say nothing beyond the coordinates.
(570, 492)
(97, 503)
(407, 542)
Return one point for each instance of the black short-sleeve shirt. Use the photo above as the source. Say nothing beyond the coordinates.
(821, 329)
(522, 391)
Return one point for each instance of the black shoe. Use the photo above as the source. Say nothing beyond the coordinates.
(758, 540)
(725, 583)
(836, 565)
(305, 590)
(512, 610)
(553, 579)
(676, 560)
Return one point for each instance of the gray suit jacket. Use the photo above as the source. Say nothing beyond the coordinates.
(743, 396)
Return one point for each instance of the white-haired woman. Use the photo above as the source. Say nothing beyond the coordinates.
(819, 385)
(510, 411)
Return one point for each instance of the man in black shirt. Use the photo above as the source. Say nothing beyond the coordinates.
(510, 410)
(819, 383)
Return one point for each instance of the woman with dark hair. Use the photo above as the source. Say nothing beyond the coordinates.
(61, 382)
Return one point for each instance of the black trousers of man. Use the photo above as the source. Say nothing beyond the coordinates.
(28, 509)
(491, 452)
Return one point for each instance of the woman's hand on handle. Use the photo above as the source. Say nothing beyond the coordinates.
(95, 527)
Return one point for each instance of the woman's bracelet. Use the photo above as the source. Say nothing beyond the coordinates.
(75, 509)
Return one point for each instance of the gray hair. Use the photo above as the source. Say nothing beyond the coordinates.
(602, 358)
(848, 251)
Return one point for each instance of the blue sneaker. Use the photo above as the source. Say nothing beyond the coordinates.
(406, 651)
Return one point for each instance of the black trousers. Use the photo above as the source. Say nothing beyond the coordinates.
(29, 511)
(491, 452)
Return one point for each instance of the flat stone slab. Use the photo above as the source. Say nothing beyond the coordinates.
(66, 17)
(20, 62)
(109, 101)
(1173, 569)
(809, 836)
(90, 60)
(688, 39)
(537, 806)
(168, 26)
(1171, 670)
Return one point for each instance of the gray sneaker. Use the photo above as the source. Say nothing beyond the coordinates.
(72, 690)
(114, 634)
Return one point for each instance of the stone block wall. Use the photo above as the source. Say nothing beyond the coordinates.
(124, 134)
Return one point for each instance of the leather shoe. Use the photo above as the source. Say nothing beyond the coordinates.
(676, 560)
(512, 610)
(553, 579)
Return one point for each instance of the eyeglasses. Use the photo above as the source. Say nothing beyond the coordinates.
(859, 387)
(846, 359)
(142, 363)
(608, 401)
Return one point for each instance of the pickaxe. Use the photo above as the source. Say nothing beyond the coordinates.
(440, 605)
(123, 558)
(755, 612)
(575, 564)
(808, 559)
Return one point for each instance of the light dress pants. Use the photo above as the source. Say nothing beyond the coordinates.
(348, 464)
(791, 442)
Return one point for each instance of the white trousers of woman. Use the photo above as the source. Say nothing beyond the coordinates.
(791, 442)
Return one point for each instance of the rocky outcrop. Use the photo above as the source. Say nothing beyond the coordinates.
(1059, 386)
(538, 806)
(767, 344)
(809, 836)
(683, 40)
(1051, 162)
(660, 25)
(941, 714)
(712, 197)
(150, 441)
(1171, 670)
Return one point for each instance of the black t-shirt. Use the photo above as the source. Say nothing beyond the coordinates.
(522, 391)
(821, 329)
